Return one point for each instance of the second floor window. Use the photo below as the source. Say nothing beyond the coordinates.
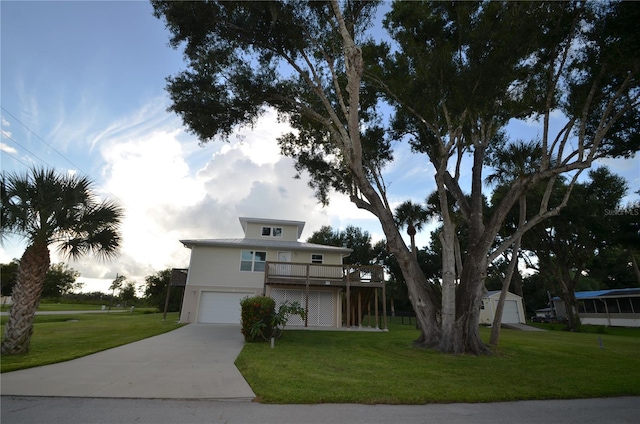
(272, 231)
(251, 260)
(316, 259)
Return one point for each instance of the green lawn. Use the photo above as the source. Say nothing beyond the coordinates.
(66, 307)
(58, 338)
(369, 368)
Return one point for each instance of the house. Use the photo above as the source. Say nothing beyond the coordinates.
(513, 312)
(612, 307)
(269, 260)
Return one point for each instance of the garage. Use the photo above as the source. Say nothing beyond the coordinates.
(510, 312)
(220, 307)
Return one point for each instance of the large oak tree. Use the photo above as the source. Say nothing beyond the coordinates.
(455, 75)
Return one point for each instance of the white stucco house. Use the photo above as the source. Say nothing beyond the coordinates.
(513, 312)
(270, 260)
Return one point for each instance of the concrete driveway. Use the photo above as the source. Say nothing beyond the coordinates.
(193, 362)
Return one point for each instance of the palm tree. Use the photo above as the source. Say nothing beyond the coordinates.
(48, 209)
(414, 216)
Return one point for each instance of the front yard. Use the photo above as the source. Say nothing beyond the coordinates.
(325, 367)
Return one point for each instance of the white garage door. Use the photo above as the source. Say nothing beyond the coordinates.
(510, 313)
(220, 307)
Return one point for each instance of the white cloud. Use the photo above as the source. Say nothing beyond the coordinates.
(7, 148)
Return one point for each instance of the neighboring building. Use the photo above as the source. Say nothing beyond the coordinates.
(613, 307)
(270, 260)
(513, 312)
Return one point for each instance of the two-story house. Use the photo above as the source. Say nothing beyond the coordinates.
(270, 260)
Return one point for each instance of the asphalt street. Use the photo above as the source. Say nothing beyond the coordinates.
(61, 410)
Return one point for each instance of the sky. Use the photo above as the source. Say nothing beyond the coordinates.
(83, 91)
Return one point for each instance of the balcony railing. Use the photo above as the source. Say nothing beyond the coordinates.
(299, 273)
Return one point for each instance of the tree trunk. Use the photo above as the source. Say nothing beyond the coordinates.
(497, 319)
(26, 297)
(447, 239)
(569, 297)
(468, 300)
(634, 263)
(513, 264)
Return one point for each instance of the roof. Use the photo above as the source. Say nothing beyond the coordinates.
(593, 294)
(607, 293)
(244, 221)
(495, 292)
(266, 244)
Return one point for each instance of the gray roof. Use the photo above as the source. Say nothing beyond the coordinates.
(266, 244)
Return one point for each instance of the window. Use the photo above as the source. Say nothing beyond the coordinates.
(272, 231)
(252, 261)
(316, 259)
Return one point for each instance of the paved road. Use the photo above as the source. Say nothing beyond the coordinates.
(36, 410)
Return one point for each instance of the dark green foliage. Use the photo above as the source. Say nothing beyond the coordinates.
(364, 253)
(256, 314)
(60, 281)
(261, 322)
(8, 275)
(155, 292)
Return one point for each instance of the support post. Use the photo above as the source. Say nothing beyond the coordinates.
(360, 307)
(348, 302)
(166, 302)
(376, 311)
(384, 305)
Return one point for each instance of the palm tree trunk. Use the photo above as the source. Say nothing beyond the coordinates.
(26, 296)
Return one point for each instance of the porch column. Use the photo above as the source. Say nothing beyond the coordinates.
(376, 301)
(348, 303)
(360, 308)
(384, 305)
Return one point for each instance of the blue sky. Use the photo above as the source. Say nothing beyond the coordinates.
(82, 90)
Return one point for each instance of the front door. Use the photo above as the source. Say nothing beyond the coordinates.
(284, 269)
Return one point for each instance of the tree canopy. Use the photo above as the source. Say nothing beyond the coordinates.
(455, 74)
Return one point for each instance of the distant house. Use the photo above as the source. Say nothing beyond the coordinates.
(513, 312)
(270, 260)
(613, 307)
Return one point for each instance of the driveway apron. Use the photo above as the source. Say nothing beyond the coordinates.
(192, 362)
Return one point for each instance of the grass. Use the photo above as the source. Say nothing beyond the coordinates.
(370, 368)
(58, 338)
(66, 307)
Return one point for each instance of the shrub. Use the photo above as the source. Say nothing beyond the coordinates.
(261, 322)
(257, 313)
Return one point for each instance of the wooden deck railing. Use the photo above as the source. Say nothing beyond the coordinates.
(298, 272)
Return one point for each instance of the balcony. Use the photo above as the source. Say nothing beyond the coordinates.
(287, 273)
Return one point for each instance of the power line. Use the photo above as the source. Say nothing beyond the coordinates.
(4, 134)
(14, 158)
(42, 140)
(55, 150)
